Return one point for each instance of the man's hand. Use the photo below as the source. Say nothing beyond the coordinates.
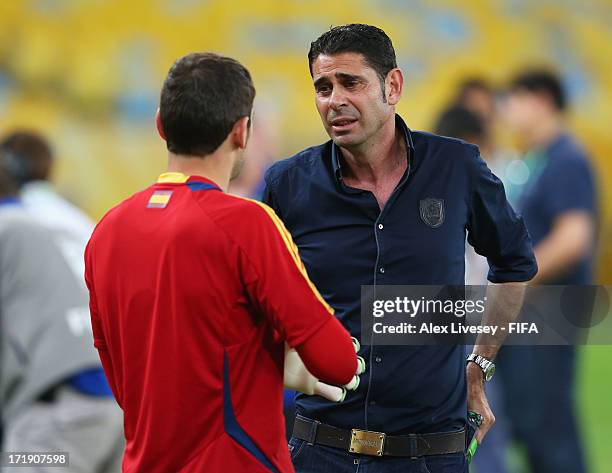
(504, 302)
(477, 399)
(298, 378)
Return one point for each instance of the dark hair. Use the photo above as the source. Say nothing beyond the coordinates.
(8, 184)
(541, 81)
(202, 98)
(472, 84)
(458, 122)
(27, 156)
(369, 41)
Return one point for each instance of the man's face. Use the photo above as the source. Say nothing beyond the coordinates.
(241, 135)
(523, 110)
(482, 103)
(349, 98)
(238, 165)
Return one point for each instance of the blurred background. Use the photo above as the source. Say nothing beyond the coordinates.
(87, 75)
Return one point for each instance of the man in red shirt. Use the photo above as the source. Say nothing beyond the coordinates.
(194, 293)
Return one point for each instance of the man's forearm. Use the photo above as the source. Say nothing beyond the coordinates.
(568, 242)
(504, 302)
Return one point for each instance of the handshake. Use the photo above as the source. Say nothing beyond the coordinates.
(298, 378)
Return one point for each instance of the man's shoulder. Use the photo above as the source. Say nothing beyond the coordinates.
(305, 159)
(446, 151)
(15, 220)
(233, 213)
(23, 237)
(242, 220)
(567, 160)
(233, 208)
(118, 214)
(569, 152)
(42, 199)
(427, 140)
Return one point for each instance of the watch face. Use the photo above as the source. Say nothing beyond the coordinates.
(490, 372)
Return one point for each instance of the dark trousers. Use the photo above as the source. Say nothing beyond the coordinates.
(538, 387)
(320, 459)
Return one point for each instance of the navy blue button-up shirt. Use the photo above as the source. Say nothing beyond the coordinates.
(346, 241)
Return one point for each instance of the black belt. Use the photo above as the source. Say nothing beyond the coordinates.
(377, 443)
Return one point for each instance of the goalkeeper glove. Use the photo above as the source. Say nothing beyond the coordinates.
(298, 378)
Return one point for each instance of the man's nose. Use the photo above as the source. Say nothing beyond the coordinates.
(337, 99)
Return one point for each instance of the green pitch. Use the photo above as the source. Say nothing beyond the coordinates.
(594, 406)
(594, 396)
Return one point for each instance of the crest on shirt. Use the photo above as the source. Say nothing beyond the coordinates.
(432, 212)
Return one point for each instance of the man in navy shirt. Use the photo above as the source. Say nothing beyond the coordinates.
(558, 203)
(381, 204)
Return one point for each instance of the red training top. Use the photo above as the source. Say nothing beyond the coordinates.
(193, 293)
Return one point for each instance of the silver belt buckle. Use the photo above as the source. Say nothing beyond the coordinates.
(366, 442)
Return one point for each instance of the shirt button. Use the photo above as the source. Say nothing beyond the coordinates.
(380, 226)
(382, 270)
(378, 359)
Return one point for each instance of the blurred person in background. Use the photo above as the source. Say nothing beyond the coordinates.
(380, 204)
(52, 395)
(471, 118)
(558, 203)
(477, 96)
(30, 158)
(458, 121)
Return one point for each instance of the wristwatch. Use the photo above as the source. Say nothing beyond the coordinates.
(487, 366)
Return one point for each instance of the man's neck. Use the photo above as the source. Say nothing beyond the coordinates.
(212, 167)
(376, 160)
(546, 132)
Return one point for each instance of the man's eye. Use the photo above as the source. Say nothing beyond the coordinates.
(323, 89)
(351, 83)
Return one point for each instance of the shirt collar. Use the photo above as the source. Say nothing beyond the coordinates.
(399, 123)
(172, 178)
(180, 178)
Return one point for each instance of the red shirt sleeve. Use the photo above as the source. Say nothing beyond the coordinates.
(279, 286)
(98, 332)
(329, 354)
(276, 279)
(96, 324)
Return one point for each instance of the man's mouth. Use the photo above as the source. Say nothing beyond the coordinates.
(342, 123)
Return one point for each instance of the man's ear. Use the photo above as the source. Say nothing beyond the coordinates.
(394, 85)
(240, 133)
(158, 123)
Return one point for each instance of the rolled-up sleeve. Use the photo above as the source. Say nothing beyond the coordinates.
(495, 230)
